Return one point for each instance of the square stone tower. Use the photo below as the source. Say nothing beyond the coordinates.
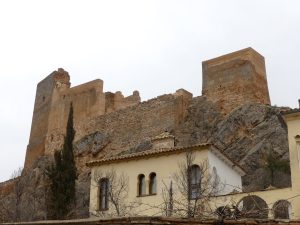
(52, 103)
(235, 79)
(54, 95)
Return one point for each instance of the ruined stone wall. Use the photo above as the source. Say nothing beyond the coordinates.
(88, 102)
(229, 81)
(122, 130)
(7, 187)
(147, 119)
(235, 79)
(52, 104)
(116, 101)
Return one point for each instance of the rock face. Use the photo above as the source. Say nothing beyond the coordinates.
(246, 134)
(250, 130)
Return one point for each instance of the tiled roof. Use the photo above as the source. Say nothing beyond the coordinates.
(152, 152)
(291, 111)
(164, 151)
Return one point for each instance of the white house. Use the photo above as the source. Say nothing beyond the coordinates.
(157, 181)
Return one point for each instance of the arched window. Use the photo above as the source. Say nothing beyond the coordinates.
(282, 209)
(194, 184)
(141, 185)
(252, 206)
(152, 183)
(103, 195)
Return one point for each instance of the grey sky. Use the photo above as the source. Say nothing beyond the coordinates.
(152, 46)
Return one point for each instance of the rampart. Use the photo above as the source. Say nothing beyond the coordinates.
(52, 103)
(125, 128)
(229, 81)
(235, 79)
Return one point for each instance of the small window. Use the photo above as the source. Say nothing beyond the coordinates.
(103, 197)
(152, 184)
(141, 185)
(194, 182)
(282, 209)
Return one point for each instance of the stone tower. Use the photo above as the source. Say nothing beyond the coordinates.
(235, 79)
(42, 109)
(52, 103)
(51, 107)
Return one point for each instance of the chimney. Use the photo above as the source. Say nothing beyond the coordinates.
(164, 140)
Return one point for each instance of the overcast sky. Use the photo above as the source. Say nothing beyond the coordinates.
(155, 47)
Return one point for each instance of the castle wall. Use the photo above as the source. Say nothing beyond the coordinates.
(145, 120)
(88, 101)
(230, 81)
(116, 101)
(52, 104)
(126, 128)
(7, 187)
(235, 79)
(53, 98)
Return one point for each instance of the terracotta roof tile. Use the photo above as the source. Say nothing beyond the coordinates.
(291, 111)
(164, 151)
(152, 152)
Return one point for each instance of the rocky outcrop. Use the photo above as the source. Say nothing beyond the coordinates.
(91, 144)
(245, 134)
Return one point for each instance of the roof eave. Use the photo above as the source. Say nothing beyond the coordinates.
(146, 154)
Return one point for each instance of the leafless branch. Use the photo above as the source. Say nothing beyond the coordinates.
(117, 191)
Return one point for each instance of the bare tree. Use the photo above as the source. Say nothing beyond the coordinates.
(117, 192)
(168, 199)
(195, 187)
(18, 192)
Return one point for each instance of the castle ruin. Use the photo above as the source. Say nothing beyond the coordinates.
(52, 102)
(233, 113)
(229, 81)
